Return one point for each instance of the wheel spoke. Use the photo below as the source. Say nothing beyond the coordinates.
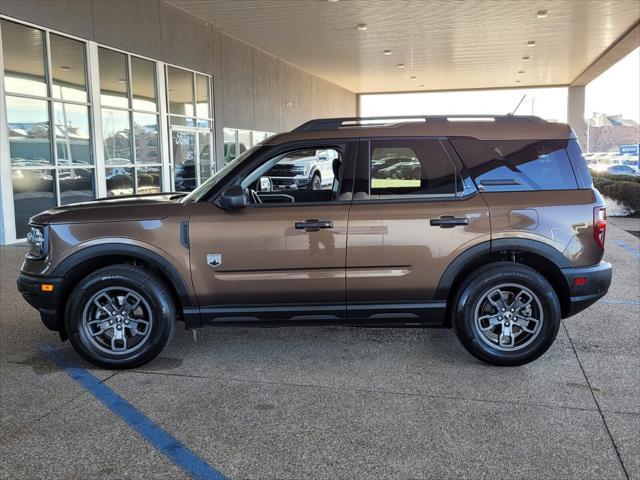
(135, 324)
(119, 340)
(108, 307)
(130, 303)
(523, 323)
(496, 299)
(506, 338)
(492, 321)
(104, 327)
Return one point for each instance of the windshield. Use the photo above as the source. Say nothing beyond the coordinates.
(203, 189)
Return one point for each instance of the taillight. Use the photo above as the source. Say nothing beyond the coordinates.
(599, 225)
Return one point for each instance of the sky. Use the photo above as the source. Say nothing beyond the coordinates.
(616, 91)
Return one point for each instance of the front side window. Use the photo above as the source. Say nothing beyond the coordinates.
(517, 165)
(406, 168)
(301, 175)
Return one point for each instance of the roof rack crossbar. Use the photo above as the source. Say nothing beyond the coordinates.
(336, 123)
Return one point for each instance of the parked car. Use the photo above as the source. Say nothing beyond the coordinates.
(502, 237)
(377, 165)
(404, 170)
(622, 170)
(304, 169)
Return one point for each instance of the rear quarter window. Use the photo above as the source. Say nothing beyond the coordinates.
(517, 165)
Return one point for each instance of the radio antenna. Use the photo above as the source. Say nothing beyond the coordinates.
(518, 105)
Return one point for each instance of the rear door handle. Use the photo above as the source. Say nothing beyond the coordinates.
(448, 222)
(313, 225)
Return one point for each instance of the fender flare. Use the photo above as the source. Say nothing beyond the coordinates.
(128, 250)
(493, 246)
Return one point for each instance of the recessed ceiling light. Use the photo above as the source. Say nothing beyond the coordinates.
(412, 77)
(421, 85)
(362, 27)
(332, 1)
(517, 81)
(542, 14)
(520, 72)
(65, 68)
(526, 58)
(531, 43)
(400, 65)
(387, 52)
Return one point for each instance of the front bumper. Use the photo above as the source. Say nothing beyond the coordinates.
(598, 280)
(47, 303)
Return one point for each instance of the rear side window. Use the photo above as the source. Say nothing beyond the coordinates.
(517, 165)
(580, 167)
(411, 168)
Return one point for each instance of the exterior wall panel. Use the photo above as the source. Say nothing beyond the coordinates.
(185, 40)
(295, 96)
(131, 26)
(68, 16)
(237, 83)
(267, 92)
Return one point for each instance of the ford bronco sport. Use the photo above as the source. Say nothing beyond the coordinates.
(495, 231)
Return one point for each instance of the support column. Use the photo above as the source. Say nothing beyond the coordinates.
(575, 113)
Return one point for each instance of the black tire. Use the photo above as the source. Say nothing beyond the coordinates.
(316, 182)
(153, 295)
(472, 292)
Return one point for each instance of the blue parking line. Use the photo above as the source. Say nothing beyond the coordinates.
(164, 442)
(633, 251)
(621, 302)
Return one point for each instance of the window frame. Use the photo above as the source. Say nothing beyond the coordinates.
(363, 173)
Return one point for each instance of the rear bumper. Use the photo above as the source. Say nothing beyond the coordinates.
(47, 303)
(598, 280)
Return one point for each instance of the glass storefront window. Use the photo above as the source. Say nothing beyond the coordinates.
(114, 91)
(33, 192)
(143, 82)
(148, 180)
(29, 142)
(73, 142)
(145, 132)
(244, 141)
(119, 181)
(76, 185)
(204, 149)
(68, 79)
(202, 96)
(24, 68)
(116, 136)
(180, 90)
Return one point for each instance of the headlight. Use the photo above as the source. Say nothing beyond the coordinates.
(37, 240)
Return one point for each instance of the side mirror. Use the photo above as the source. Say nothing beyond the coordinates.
(265, 184)
(233, 198)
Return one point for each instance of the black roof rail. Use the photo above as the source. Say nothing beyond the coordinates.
(336, 123)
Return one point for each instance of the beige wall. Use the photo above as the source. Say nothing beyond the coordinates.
(253, 90)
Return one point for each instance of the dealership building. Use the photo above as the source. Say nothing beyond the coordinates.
(103, 98)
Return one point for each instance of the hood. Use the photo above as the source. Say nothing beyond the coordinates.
(118, 209)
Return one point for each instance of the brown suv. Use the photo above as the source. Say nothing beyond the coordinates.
(491, 226)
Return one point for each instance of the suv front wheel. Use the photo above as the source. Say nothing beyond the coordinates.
(506, 314)
(120, 316)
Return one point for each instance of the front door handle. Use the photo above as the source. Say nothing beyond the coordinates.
(448, 222)
(313, 225)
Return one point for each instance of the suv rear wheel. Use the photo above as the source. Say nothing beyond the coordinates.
(120, 317)
(506, 314)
